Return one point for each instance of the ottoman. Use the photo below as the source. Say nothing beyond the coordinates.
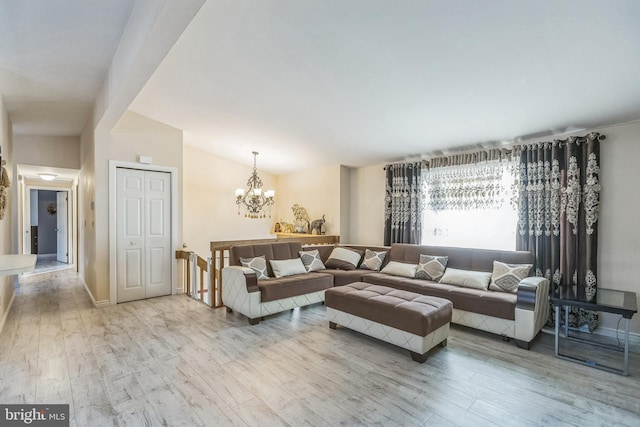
(409, 320)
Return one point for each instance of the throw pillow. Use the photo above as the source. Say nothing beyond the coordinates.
(431, 267)
(401, 269)
(343, 259)
(311, 260)
(506, 277)
(373, 260)
(466, 278)
(287, 267)
(257, 264)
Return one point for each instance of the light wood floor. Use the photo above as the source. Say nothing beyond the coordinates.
(173, 361)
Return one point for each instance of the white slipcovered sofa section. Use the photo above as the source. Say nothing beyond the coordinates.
(238, 295)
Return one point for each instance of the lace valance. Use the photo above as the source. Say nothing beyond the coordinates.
(484, 185)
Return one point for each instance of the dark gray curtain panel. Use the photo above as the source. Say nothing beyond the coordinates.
(558, 186)
(404, 200)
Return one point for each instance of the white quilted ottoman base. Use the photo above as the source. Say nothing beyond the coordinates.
(417, 345)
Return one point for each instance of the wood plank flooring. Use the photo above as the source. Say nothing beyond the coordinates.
(173, 361)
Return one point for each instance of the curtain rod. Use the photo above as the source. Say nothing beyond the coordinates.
(495, 145)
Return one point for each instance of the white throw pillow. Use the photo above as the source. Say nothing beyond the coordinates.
(466, 278)
(287, 267)
(343, 259)
(401, 269)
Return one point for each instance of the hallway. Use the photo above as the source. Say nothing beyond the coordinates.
(57, 348)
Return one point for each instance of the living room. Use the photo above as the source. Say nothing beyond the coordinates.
(326, 123)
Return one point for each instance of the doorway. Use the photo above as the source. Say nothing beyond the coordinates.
(47, 234)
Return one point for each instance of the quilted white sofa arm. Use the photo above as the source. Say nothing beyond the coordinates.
(240, 291)
(532, 309)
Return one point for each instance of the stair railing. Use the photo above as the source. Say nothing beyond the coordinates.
(197, 280)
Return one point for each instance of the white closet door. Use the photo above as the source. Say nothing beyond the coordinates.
(158, 233)
(143, 257)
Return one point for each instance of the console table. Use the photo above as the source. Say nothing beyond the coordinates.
(608, 301)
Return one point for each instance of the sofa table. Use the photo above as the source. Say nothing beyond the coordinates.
(608, 301)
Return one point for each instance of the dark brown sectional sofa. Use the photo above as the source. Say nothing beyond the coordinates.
(518, 315)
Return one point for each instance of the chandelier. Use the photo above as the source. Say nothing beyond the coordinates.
(254, 201)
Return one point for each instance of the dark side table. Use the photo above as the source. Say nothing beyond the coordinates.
(607, 301)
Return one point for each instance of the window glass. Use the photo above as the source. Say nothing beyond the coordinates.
(473, 227)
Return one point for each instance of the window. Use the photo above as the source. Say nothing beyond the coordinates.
(470, 206)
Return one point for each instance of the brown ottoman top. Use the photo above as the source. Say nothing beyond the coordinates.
(407, 311)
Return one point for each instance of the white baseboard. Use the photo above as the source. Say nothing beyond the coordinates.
(6, 313)
(611, 333)
(634, 338)
(96, 304)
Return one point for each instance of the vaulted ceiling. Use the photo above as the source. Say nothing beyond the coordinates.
(357, 82)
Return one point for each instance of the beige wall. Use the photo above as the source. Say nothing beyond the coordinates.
(366, 205)
(54, 151)
(6, 236)
(317, 190)
(86, 210)
(209, 208)
(619, 230)
(134, 135)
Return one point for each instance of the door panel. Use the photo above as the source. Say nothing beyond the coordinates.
(130, 269)
(143, 258)
(158, 233)
(156, 258)
(133, 217)
(133, 269)
(156, 218)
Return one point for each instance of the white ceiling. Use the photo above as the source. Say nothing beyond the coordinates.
(358, 82)
(54, 56)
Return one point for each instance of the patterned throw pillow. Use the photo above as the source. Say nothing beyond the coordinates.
(343, 259)
(431, 267)
(257, 264)
(311, 260)
(506, 277)
(373, 260)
